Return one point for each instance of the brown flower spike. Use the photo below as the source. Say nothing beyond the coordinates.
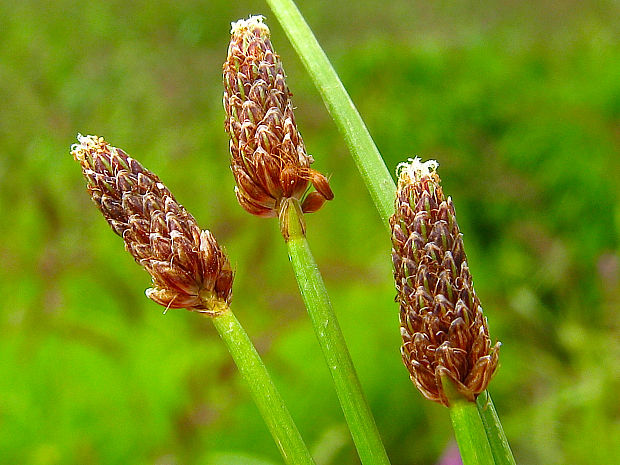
(444, 332)
(188, 267)
(268, 156)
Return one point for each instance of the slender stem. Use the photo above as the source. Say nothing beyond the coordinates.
(339, 104)
(356, 411)
(364, 152)
(264, 392)
(495, 432)
(468, 427)
(470, 434)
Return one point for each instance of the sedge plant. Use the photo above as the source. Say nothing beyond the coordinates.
(273, 175)
(474, 414)
(188, 268)
(446, 344)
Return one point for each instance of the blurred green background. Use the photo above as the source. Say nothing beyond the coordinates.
(518, 101)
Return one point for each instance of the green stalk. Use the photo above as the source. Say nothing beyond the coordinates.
(470, 434)
(495, 433)
(468, 428)
(367, 158)
(348, 388)
(266, 396)
(340, 106)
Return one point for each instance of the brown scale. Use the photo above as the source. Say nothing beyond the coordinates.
(268, 155)
(443, 329)
(187, 266)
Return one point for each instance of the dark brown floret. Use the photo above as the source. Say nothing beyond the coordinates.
(188, 267)
(268, 155)
(443, 328)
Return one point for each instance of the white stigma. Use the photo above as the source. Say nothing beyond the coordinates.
(415, 169)
(237, 27)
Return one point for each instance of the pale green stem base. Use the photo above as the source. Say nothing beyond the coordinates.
(470, 434)
(266, 396)
(348, 388)
(495, 433)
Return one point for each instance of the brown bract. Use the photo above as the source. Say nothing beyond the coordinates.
(444, 331)
(268, 156)
(188, 267)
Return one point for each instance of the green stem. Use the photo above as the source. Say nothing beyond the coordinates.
(264, 392)
(470, 434)
(348, 388)
(339, 104)
(365, 154)
(495, 433)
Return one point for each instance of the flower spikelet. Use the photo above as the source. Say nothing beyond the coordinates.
(187, 266)
(444, 331)
(268, 155)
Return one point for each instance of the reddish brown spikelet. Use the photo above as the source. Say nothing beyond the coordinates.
(443, 328)
(268, 156)
(188, 267)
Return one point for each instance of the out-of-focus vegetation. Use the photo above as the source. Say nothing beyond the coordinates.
(518, 101)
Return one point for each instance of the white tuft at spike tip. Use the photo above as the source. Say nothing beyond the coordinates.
(253, 21)
(415, 169)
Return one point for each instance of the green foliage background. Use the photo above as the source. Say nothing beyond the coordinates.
(518, 101)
